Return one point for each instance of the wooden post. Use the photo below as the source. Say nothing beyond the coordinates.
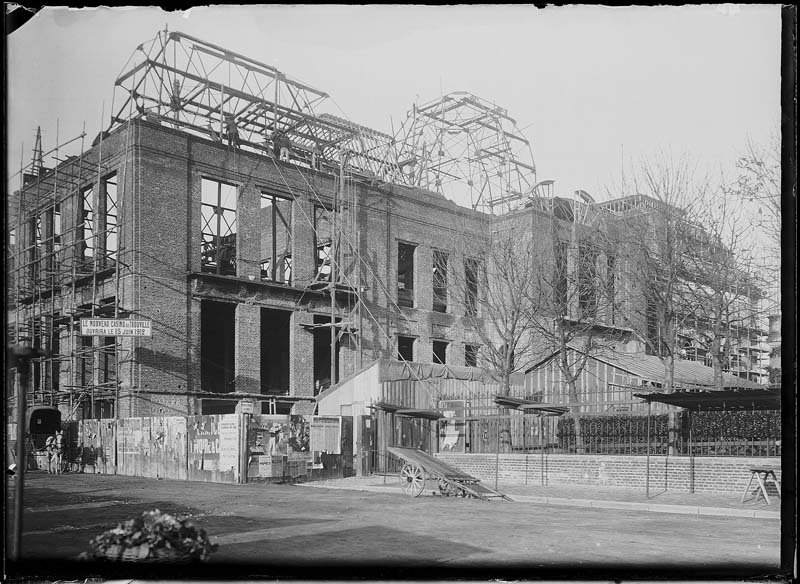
(691, 453)
(243, 458)
(497, 455)
(385, 439)
(647, 475)
(542, 445)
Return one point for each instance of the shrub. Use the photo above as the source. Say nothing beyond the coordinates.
(154, 535)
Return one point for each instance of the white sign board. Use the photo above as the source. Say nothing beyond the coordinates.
(111, 327)
(229, 444)
(326, 434)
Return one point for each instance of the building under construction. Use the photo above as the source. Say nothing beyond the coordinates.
(274, 249)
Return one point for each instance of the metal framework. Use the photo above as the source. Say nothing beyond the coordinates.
(199, 87)
(467, 149)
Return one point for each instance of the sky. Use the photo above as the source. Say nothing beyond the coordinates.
(593, 88)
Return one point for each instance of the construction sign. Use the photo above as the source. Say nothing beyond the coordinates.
(111, 327)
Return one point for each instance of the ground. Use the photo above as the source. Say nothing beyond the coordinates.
(274, 530)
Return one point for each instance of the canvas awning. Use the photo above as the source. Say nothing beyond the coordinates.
(728, 399)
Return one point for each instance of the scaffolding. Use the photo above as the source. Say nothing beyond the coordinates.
(60, 267)
(187, 83)
(468, 150)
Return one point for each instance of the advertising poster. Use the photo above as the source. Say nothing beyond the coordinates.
(229, 443)
(277, 445)
(452, 426)
(208, 436)
(326, 434)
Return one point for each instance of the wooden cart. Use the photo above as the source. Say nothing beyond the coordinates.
(420, 467)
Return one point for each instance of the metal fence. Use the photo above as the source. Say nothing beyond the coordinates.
(707, 434)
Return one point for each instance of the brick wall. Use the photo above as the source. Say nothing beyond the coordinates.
(711, 474)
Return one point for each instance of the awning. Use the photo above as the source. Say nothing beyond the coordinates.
(545, 409)
(427, 414)
(744, 399)
(407, 412)
(527, 405)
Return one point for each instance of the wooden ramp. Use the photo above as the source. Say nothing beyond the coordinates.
(452, 481)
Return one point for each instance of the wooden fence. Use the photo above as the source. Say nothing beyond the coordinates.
(227, 448)
(199, 448)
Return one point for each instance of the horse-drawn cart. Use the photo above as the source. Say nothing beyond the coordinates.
(420, 467)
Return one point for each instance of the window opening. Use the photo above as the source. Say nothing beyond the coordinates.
(471, 355)
(36, 248)
(86, 361)
(108, 360)
(276, 239)
(322, 353)
(11, 256)
(440, 281)
(217, 354)
(440, 352)
(322, 243)
(405, 274)
(405, 348)
(86, 225)
(111, 242)
(55, 364)
(218, 235)
(56, 243)
(471, 274)
(274, 352)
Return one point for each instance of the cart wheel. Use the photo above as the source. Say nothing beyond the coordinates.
(412, 480)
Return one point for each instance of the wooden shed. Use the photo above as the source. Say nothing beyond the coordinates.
(398, 403)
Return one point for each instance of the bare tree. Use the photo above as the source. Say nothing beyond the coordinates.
(573, 296)
(494, 288)
(654, 234)
(758, 187)
(719, 289)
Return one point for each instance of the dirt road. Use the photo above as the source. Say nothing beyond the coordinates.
(276, 530)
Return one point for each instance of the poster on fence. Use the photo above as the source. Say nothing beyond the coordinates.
(451, 427)
(277, 445)
(229, 443)
(213, 448)
(326, 434)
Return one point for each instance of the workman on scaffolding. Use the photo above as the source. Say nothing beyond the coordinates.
(231, 131)
(316, 156)
(281, 145)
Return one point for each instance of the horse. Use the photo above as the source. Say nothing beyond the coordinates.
(55, 452)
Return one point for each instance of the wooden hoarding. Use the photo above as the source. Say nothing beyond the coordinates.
(213, 448)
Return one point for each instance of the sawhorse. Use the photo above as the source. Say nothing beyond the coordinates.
(762, 475)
